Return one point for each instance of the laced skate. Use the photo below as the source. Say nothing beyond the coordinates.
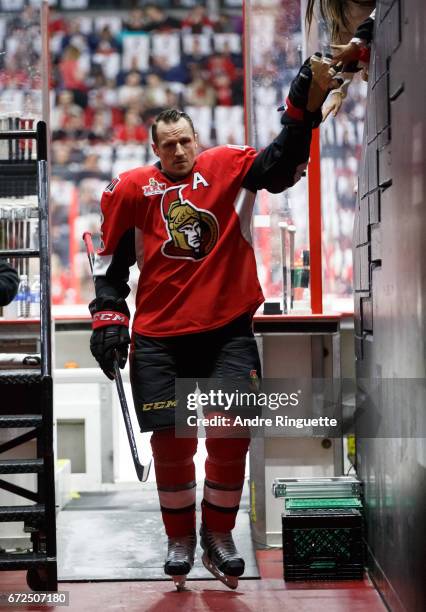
(180, 558)
(221, 557)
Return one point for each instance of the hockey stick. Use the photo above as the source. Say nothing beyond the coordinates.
(142, 471)
(292, 234)
(283, 233)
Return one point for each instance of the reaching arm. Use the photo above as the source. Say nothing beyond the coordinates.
(337, 96)
(358, 48)
(281, 164)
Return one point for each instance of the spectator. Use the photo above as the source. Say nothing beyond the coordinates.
(224, 25)
(99, 101)
(198, 21)
(91, 168)
(107, 55)
(220, 64)
(100, 128)
(132, 130)
(60, 154)
(57, 22)
(155, 91)
(223, 88)
(158, 21)
(75, 36)
(75, 128)
(136, 21)
(103, 42)
(195, 55)
(168, 72)
(73, 74)
(107, 94)
(63, 111)
(132, 89)
(200, 93)
(96, 79)
(173, 99)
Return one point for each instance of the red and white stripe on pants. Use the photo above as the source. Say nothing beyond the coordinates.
(175, 472)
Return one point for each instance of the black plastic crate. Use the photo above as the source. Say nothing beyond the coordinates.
(323, 544)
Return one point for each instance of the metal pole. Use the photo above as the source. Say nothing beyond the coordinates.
(248, 86)
(44, 241)
(45, 64)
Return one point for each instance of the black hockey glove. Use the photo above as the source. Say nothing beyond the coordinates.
(110, 324)
(308, 91)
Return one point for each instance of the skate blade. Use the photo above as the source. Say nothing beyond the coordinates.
(179, 582)
(230, 581)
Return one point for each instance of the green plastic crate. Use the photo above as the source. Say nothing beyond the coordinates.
(345, 502)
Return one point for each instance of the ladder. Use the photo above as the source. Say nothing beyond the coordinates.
(26, 395)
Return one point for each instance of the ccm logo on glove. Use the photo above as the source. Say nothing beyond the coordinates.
(109, 317)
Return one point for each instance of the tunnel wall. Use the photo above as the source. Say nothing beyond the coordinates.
(390, 303)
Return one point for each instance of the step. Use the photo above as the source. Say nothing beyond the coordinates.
(21, 420)
(18, 134)
(20, 377)
(21, 513)
(19, 253)
(21, 466)
(19, 561)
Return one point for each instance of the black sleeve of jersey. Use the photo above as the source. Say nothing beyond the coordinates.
(275, 168)
(365, 30)
(114, 282)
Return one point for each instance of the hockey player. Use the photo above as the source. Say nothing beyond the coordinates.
(186, 221)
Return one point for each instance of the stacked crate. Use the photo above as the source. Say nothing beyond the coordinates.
(322, 527)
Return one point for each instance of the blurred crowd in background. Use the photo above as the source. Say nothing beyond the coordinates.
(112, 72)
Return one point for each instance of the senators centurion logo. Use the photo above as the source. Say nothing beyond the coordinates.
(193, 232)
(154, 187)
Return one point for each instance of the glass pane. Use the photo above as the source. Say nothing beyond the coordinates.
(274, 58)
(20, 65)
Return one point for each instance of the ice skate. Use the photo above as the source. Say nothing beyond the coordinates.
(221, 557)
(180, 558)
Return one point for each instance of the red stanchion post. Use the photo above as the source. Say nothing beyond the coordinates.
(315, 229)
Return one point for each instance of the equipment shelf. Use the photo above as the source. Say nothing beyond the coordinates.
(27, 394)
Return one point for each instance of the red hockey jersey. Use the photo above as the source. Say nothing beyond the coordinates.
(193, 242)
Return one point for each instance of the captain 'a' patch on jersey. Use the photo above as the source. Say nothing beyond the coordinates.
(193, 232)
